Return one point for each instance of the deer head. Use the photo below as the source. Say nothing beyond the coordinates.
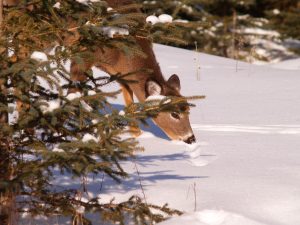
(176, 125)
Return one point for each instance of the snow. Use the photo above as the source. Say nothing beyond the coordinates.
(86, 106)
(57, 5)
(109, 9)
(155, 97)
(86, 1)
(51, 105)
(39, 56)
(89, 137)
(244, 167)
(152, 19)
(57, 150)
(211, 217)
(73, 96)
(121, 113)
(276, 11)
(165, 18)
(259, 31)
(181, 21)
(292, 64)
(111, 31)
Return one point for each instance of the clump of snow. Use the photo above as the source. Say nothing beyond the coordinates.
(243, 17)
(152, 19)
(52, 105)
(86, 1)
(57, 5)
(111, 31)
(86, 106)
(276, 11)
(91, 92)
(121, 113)
(181, 21)
(57, 150)
(95, 121)
(79, 208)
(187, 8)
(13, 114)
(150, 2)
(165, 18)
(109, 9)
(73, 96)
(39, 56)
(89, 137)
(259, 31)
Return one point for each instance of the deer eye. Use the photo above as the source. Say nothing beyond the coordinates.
(175, 115)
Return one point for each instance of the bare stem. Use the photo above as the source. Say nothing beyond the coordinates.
(195, 197)
(197, 58)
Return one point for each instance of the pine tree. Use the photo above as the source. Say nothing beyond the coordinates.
(284, 17)
(44, 126)
(218, 26)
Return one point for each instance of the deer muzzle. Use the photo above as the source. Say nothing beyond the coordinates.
(190, 139)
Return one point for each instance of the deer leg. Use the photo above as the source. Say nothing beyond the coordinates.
(128, 98)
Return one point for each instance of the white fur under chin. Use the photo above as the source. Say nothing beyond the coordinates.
(155, 97)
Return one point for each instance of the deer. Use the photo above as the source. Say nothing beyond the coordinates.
(113, 61)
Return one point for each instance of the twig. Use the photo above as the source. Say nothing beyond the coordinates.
(102, 180)
(197, 59)
(140, 181)
(195, 197)
(142, 188)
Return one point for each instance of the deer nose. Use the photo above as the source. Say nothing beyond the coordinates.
(190, 139)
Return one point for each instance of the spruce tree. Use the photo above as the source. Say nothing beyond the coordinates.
(44, 126)
(218, 26)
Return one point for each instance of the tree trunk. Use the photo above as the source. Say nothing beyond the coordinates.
(6, 197)
(7, 203)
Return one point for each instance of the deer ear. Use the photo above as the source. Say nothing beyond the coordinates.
(174, 82)
(152, 88)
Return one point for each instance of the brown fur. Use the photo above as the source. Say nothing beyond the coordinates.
(114, 61)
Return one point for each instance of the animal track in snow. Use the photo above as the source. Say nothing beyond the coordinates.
(259, 129)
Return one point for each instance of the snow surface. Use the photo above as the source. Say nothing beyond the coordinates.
(244, 168)
(292, 64)
(211, 217)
